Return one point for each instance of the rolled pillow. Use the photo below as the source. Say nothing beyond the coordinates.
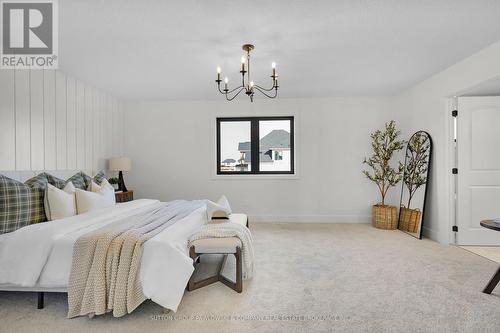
(218, 210)
(59, 203)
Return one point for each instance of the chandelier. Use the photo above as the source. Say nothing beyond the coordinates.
(247, 84)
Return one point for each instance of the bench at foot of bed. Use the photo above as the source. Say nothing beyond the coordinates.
(226, 246)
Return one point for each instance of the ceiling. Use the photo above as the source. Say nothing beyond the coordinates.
(170, 49)
(488, 88)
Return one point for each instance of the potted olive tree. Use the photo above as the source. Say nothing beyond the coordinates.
(384, 144)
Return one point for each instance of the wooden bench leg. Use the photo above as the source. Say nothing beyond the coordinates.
(239, 270)
(238, 285)
(40, 300)
(192, 284)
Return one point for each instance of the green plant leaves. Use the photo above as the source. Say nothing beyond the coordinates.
(384, 144)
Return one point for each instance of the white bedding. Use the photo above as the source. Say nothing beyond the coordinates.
(40, 255)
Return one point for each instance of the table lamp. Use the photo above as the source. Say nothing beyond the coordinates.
(120, 163)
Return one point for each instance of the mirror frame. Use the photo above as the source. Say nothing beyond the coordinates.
(426, 186)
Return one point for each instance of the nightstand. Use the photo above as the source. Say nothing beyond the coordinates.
(124, 196)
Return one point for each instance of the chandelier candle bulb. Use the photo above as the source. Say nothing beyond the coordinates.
(273, 65)
(242, 64)
(226, 80)
(218, 73)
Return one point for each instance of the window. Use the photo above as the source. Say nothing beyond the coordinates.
(255, 145)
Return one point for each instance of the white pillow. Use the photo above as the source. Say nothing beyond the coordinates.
(93, 187)
(219, 209)
(59, 203)
(100, 197)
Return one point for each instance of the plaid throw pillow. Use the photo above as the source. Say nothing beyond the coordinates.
(21, 204)
(80, 180)
(99, 177)
(57, 182)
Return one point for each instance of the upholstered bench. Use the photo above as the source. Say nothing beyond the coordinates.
(225, 246)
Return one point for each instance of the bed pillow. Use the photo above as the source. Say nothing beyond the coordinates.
(99, 197)
(99, 177)
(60, 203)
(218, 210)
(83, 180)
(57, 182)
(21, 204)
(80, 180)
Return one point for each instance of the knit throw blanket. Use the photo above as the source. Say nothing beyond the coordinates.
(106, 262)
(230, 229)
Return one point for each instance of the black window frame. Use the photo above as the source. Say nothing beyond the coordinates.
(254, 145)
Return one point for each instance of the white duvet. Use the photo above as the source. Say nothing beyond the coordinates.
(40, 255)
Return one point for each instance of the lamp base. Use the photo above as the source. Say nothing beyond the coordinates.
(121, 183)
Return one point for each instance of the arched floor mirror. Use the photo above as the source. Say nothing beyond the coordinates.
(415, 183)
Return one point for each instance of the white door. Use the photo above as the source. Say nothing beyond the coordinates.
(478, 179)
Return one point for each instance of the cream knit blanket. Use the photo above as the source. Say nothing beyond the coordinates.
(230, 229)
(106, 262)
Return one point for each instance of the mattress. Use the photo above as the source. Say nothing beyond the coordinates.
(165, 265)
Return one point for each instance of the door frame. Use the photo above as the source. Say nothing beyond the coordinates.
(451, 162)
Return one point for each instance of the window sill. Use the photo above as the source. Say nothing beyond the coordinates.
(257, 177)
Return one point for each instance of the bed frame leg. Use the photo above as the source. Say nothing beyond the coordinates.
(40, 300)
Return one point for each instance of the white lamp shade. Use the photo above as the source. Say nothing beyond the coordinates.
(120, 163)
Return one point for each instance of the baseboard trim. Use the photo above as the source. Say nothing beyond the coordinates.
(430, 233)
(309, 218)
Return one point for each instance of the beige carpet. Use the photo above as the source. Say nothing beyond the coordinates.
(311, 278)
(489, 252)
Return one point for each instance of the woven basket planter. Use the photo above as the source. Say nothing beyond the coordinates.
(384, 217)
(409, 219)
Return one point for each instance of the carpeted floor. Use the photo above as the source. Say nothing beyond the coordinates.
(489, 252)
(311, 278)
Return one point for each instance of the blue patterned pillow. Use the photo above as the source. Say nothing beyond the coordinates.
(21, 204)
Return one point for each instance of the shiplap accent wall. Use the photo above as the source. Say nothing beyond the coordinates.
(50, 121)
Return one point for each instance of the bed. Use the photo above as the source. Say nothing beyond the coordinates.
(38, 257)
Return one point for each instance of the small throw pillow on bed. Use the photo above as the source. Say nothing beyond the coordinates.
(80, 180)
(99, 197)
(60, 203)
(21, 204)
(218, 210)
(99, 177)
(57, 182)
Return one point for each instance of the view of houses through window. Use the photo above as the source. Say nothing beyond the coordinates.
(236, 139)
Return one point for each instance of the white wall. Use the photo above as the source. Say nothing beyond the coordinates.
(426, 107)
(332, 138)
(172, 149)
(50, 121)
